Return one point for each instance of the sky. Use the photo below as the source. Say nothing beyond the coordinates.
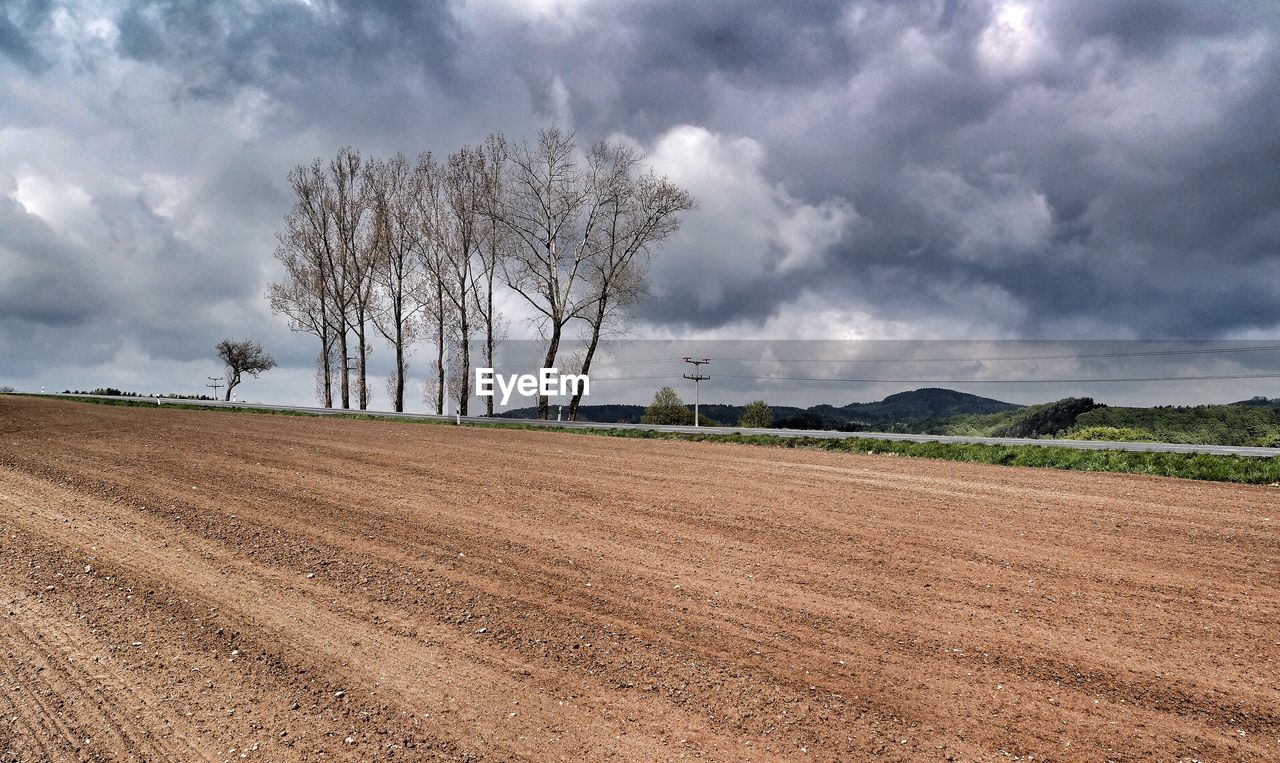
(866, 171)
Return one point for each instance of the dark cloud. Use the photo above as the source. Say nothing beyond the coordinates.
(942, 168)
(21, 22)
(45, 281)
(1150, 154)
(289, 47)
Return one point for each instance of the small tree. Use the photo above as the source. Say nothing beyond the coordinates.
(757, 415)
(667, 408)
(245, 357)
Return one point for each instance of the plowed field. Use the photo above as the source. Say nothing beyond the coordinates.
(189, 585)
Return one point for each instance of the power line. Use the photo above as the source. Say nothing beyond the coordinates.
(1220, 377)
(983, 359)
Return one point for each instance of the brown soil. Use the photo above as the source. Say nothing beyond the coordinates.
(187, 585)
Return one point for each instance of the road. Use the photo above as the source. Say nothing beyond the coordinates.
(1141, 447)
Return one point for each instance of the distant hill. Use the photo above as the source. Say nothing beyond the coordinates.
(899, 410)
(923, 404)
(1274, 402)
(1044, 420)
(944, 411)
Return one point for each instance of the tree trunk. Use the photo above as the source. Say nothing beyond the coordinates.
(328, 375)
(464, 327)
(440, 386)
(398, 307)
(363, 363)
(586, 359)
(325, 363)
(399, 402)
(326, 353)
(586, 369)
(346, 373)
(488, 346)
(553, 347)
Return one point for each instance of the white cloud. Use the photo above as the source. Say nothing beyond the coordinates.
(560, 105)
(1015, 40)
(64, 206)
(750, 227)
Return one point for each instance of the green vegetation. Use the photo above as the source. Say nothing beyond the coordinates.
(1210, 424)
(667, 408)
(947, 412)
(757, 415)
(1045, 420)
(896, 413)
(1112, 434)
(928, 403)
(1254, 422)
(113, 392)
(1199, 466)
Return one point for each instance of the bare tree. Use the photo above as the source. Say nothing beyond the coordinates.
(463, 228)
(495, 247)
(420, 250)
(636, 213)
(349, 204)
(397, 239)
(431, 389)
(311, 240)
(245, 357)
(325, 371)
(434, 301)
(548, 208)
(301, 295)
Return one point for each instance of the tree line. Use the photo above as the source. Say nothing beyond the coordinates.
(668, 408)
(420, 252)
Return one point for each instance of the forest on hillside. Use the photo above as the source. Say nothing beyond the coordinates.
(939, 411)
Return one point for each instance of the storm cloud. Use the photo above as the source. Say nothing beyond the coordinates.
(940, 169)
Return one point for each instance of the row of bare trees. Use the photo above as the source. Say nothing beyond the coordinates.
(425, 250)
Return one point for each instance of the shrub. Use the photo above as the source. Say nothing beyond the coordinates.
(667, 408)
(1266, 441)
(1113, 434)
(757, 415)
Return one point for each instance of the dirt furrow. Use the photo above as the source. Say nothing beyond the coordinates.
(489, 593)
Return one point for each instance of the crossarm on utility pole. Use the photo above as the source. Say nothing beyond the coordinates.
(697, 378)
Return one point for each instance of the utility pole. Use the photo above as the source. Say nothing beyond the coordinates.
(214, 383)
(697, 377)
